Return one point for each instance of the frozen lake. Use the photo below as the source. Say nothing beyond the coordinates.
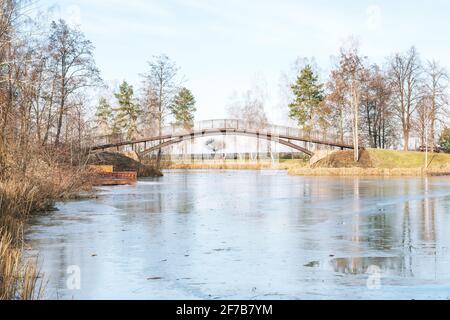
(250, 235)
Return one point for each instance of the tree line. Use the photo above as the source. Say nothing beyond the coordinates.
(145, 112)
(47, 77)
(47, 72)
(378, 106)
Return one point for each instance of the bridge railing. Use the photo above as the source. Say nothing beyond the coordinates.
(330, 136)
(274, 130)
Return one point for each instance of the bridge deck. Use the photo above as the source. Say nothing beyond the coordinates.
(276, 133)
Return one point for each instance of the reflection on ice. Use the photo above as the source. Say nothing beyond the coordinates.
(361, 265)
(251, 235)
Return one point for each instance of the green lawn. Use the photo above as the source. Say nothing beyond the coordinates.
(400, 159)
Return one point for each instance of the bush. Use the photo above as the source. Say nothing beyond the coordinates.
(25, 190)
(444, 141)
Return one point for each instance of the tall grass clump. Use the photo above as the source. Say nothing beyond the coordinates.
(18, 278)
(23, 193)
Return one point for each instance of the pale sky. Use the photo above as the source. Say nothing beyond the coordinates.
(221, 46)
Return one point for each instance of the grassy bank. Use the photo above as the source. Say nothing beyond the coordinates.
(373, 163)
(378, 163)
(380, 172)
(21, 195)
(388, 159)
(236, 165)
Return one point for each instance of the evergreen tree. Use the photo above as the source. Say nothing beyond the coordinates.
(127, 112)
(444, 140)
(104, 114)
(309, 95)
(183, 108)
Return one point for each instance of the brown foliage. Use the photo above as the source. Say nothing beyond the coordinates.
(23, 193)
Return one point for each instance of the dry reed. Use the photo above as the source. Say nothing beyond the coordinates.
(21, 195)
(235, 165)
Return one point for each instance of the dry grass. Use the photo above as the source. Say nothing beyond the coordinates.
(394, 172)
(18, 280)
(345, 159)
(21, 195)
(385, 163)
(236, 165)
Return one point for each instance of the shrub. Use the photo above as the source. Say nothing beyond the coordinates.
(25, 190)
(444, 141)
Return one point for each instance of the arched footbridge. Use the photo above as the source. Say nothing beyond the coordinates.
(171, 135)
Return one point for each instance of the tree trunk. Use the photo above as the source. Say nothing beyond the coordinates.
(59, 124)
(406, 139)
(257, 149)
(160, 118)
(158, 158)
(341, 126)
(61, 113)
(355, 104)
(433, 134)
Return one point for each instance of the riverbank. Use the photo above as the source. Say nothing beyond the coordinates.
(369, 172)
(125, 162)
(23, 194)
(236, 165)
(339, 163)
(385, 159)
(26, 190)
(374, 162)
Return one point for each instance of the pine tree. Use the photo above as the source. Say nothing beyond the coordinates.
(309, 95)
(444, 140)
(183, 108)
(104, 115)
(127, 112)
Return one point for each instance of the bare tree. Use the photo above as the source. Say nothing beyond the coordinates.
(376, 108)
(9, 13)
(436, 93)
(351, 71)
(161, 87)
(335, 103)
(215, 146)
(149, 120)
(405, 73)
(422, 120)
(72, 65)
(250, 108)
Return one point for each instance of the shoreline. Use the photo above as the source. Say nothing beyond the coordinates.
(295, 169)
(236, 165)
(22, 199)
(370, 172)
